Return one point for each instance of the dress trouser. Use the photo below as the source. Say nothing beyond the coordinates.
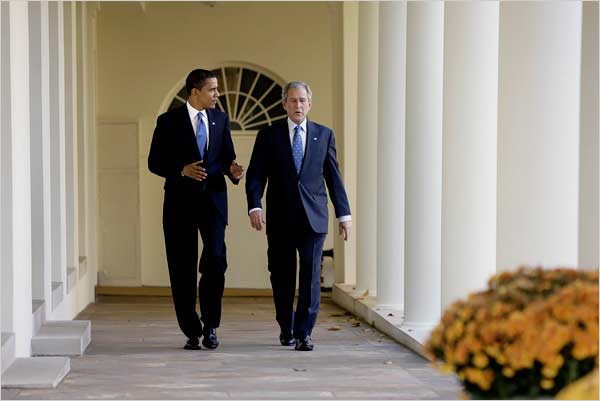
(281, 253)
(183, 217)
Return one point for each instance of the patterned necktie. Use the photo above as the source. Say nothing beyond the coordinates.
(201, 136)
(297, 151)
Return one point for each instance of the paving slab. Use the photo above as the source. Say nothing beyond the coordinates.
(37, 372)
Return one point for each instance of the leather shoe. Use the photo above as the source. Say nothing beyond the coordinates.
(304, 344)
(192, 344)
(210, 338)
(286, 338)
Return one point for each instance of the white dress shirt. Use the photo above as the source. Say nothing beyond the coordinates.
(194, 118)
(291, 126)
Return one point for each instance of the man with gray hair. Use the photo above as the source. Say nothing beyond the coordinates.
(297, 158)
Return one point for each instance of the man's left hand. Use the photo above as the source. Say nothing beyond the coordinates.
(236, 170)
(345, 229)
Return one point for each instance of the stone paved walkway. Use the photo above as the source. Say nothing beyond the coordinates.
(136, 353)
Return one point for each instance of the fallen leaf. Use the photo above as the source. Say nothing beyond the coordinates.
(366, 293)
(390, 314)
(299, 370)
(337, 315)
(388, 362)
(334, 328)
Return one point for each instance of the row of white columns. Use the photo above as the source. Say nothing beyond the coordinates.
(39, 158)
(436, 202)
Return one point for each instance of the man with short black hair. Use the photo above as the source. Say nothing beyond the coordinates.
(193, 150)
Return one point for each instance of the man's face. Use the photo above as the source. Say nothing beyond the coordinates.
(297, 104)
(206, 97)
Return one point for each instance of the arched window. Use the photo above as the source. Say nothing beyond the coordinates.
(251, 98)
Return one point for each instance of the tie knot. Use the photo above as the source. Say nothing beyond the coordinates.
(199, 115)
(297, 129)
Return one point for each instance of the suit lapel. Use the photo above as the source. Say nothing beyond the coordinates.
(187, 122)
(312, 133)
(284, 135)
(212, 131)
(188, 128)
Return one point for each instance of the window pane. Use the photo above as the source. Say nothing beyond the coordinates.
(248, 77)
(274, 96)
(241, 101)
(258, 117)
(231, 74)
(277, 111)
(219, 75)
(261, 86)
(223, 100)
(251, 105)
(183, 93)
(175, 103)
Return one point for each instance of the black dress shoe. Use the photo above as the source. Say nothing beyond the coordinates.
(304, 344)
(192, 344)
(286, 339)
(210, 338)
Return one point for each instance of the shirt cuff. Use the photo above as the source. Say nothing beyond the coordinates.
(253, 210)
(343, 219)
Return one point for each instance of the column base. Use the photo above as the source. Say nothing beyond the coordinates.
(388, 319)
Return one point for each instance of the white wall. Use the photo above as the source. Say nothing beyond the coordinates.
(144, 55)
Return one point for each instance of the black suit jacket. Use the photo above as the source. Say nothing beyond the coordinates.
(287, 191)
(174, 146)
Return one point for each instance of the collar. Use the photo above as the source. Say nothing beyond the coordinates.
(193, 112)
(292, 125)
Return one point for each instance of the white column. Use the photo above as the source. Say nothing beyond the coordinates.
(21, 176)
(6, 238)
(81, 128)
(469, 148)
(366, 204)
(36, 125)
(72, 197)
(390, 165)
(424, 95)
(46, 154)
(57, 147)
(350, 66)
(538, 134)
(92, 173)
(589, 216)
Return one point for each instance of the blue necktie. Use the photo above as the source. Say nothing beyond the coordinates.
(201, 136)
(297, 151)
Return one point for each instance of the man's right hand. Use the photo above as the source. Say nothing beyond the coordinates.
(256, 220)
(195, 171)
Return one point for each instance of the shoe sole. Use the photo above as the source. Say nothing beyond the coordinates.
(210, 346)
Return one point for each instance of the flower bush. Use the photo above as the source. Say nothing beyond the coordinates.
(529, 334)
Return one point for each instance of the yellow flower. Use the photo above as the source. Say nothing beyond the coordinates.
(447, 368)
(547, 384)
(508, 372)
(549, 372)
(480, 360)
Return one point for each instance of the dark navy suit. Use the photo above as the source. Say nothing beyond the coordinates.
(191, 206)
(297, 215)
